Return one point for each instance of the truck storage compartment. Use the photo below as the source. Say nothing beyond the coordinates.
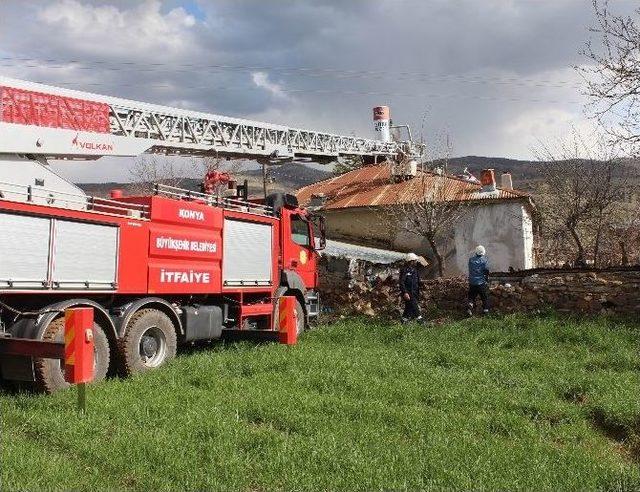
(42, 253)
(247, 258)
(24, 251)
(85, 255)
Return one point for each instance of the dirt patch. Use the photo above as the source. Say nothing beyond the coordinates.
(626, 438)
(577, 395)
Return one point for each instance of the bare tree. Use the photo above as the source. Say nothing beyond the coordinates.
(348, 163)
(613, 77)
(435, 214)
(580, 199)
(620, 240)
(439, 203)
(200, 166)
(148, 169)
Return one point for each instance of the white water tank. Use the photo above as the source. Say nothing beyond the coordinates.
(382, 122)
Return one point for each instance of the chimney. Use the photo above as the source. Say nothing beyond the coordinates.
(488, 180)
(505, 181)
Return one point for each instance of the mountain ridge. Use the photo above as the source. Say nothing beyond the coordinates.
(291, 176)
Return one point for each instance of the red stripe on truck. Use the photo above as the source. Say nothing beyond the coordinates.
(36, 108)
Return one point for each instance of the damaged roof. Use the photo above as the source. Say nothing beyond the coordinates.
(340, 249)
(372, 186)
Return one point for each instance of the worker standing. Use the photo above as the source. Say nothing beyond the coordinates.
(410, 289)
(478, 280)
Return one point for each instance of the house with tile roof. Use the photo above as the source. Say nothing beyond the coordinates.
(359, 208)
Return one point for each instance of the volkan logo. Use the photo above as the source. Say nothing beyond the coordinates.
(86, 145)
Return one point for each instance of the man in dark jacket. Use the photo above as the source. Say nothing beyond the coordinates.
(410, 289)
(478, 280)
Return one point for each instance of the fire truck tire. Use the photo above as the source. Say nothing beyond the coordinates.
(299, 317)
(149, 341)
(49, 373)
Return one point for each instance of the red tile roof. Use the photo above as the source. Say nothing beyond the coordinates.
(372, 186)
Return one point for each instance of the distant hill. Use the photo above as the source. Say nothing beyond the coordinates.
(291, 176)
(524, 173)
(501, 164)
(281, 178)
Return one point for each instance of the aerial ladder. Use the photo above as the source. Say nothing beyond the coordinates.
(177, 266)
(40, 122)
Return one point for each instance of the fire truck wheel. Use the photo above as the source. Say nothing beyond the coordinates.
(50, 372)
(150, 340)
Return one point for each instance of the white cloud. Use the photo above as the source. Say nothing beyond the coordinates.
(106, 30)
(261, 79)
(467, 67)
(541, 126)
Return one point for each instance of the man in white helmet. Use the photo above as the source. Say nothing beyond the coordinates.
(478, 280)
(410, 289)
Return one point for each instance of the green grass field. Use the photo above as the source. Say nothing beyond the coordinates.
(496, 403)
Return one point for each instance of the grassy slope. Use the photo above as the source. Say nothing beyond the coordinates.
(495, 403)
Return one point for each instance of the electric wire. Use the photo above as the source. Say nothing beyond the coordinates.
(307, 71)
(431, 95)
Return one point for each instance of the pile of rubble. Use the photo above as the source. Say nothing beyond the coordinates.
(356, 286)
(352, 286)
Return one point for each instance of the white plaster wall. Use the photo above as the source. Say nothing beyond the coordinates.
(18, 173)
(527, 233)
(503, 228)
(363, 225)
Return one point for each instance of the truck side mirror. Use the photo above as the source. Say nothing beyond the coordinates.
(320, 242)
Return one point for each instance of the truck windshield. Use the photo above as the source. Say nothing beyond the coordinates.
(299, 230)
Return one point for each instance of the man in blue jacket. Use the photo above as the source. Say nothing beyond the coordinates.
(478, 280)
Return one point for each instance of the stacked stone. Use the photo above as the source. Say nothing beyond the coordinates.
(349, 286)
(577, 292)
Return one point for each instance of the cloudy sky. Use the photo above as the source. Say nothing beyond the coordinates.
(495, 75)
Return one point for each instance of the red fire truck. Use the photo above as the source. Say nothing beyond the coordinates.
(174, 267)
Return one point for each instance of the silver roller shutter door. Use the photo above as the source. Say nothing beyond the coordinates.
(247, 256)
(85, 255)
(24, 251)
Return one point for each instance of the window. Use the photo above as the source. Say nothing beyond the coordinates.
(299, 231)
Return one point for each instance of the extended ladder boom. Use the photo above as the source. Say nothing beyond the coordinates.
(52, 122)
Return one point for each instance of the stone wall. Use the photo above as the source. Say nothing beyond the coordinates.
(354, 286)
(575, 291)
